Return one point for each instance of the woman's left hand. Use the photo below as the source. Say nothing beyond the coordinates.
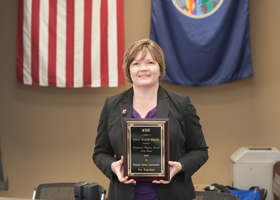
(175, 167)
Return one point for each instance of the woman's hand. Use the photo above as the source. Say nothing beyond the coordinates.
(117, 168)
(175, 167)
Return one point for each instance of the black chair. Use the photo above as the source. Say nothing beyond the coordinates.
(207, 195)
(55, 191)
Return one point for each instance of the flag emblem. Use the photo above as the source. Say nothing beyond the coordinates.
(203, 52)
(197, 8)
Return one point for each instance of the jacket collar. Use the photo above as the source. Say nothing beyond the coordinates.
(163, 104)
(126, 103)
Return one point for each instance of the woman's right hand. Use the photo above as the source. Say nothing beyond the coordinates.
(117, 168)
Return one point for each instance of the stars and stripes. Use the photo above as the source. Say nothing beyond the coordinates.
(70, 43)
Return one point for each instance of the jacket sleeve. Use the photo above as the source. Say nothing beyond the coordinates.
(196, 150)
(103, 155)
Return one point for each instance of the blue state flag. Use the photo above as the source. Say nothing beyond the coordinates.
(206, 42)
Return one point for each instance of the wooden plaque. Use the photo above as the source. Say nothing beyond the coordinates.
(146, 149)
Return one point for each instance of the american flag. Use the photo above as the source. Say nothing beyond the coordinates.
(70, 43)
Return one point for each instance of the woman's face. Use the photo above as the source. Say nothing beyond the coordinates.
(144, 72)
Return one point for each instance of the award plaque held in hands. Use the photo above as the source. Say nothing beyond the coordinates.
(146, 149)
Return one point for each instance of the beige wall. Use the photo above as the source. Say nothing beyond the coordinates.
(47, 134)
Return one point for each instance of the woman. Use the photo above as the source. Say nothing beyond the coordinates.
(144, 67)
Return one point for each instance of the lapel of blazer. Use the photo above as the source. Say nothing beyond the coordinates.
(126, 104)
(163, 103)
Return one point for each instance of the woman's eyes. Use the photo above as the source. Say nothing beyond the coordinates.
(149, 63)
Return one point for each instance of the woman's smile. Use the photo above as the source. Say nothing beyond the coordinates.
(144, 71)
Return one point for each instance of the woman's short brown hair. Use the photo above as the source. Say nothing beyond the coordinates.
(145, 46)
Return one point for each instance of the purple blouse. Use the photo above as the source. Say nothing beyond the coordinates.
(145, 190)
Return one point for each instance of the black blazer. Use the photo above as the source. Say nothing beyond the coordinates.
(187, 143)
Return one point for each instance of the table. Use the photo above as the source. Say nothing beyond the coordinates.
(200, 187)
(11, 198)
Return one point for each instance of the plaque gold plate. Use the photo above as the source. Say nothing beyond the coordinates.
(146, 149)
